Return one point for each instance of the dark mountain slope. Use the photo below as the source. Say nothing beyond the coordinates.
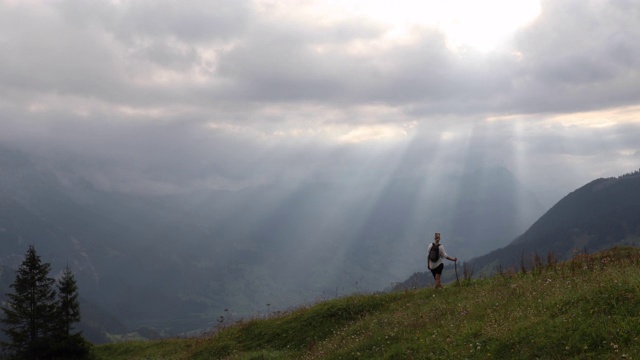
(599, 215)
(602, 214)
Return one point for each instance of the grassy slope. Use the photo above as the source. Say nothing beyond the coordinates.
(588, 307)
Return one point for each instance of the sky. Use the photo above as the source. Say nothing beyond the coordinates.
(167, 96)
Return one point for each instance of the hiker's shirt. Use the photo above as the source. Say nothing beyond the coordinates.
(443, 255)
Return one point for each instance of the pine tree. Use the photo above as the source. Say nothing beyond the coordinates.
(68, 305)
(66, 344)
(30, 311)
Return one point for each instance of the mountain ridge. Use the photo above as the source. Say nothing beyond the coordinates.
(598, 215)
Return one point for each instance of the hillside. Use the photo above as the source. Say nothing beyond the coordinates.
(599, 215)
(586, 307)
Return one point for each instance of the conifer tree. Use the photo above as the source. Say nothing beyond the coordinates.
(31, 309)
(66, 344)
(68, 305)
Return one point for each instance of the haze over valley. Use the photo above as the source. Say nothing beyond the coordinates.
(205, 159)
(158, 259)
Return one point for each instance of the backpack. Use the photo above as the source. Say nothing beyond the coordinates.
(434, 253)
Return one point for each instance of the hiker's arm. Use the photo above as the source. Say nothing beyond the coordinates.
(451, 259)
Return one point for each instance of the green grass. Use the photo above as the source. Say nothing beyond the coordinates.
(585, 308)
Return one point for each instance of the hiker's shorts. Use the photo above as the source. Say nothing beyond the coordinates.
(437, 270)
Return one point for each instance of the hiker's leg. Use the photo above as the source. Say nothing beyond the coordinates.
(437, 274)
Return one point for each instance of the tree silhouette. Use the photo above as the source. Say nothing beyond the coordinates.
(38, 323)
(31, 309)
(68, 306)
(65, 344)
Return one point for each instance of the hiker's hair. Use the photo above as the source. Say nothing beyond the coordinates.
(436, 236)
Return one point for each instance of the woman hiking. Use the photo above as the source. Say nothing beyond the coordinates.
(435, 257)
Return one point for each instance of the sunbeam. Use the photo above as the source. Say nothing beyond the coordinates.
(277, 151)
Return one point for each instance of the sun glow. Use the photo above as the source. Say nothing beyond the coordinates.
(484, 25)
(479, 25)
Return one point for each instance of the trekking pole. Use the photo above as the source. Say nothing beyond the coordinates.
(455, 264)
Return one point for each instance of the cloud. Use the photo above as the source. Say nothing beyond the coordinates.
(244, 92)
(192, 21)
(146, 53)
(579, 56)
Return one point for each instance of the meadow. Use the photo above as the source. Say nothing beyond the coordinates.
(583, 308)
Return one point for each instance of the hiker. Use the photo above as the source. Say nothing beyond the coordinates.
(435, 259)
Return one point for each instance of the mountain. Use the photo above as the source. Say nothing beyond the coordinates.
(601, 214)
(176, 262)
